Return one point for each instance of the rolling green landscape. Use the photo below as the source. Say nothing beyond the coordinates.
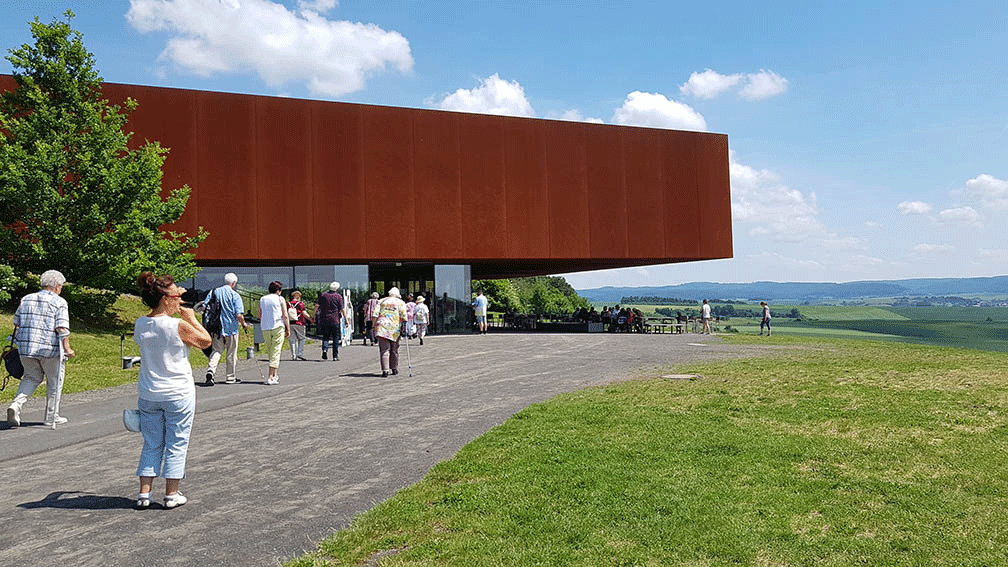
(981, 328)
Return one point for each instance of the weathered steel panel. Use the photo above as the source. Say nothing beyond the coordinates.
(484, 199)
(338, 211)
(437, 185)
(567, 190)
(307, 182)
(606, 193)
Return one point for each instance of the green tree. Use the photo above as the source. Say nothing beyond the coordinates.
(73, 195)
(501, 293)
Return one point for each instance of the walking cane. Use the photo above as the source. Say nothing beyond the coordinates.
(409, 362)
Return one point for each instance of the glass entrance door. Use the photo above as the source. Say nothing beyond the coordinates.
(414, 278)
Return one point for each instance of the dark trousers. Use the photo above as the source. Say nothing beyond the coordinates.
(330, 333)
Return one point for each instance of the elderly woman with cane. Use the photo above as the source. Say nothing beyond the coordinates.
(166, 392)
(388, 327)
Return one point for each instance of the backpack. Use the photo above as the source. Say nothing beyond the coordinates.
(212, 315)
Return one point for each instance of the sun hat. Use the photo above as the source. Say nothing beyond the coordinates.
(419, 299)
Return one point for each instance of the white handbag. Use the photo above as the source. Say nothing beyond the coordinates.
(131, 420)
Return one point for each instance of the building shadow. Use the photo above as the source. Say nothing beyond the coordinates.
(77, 500)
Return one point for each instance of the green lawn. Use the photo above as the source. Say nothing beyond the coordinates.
(831, 452)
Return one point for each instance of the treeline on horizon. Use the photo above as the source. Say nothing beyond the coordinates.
(656, 300)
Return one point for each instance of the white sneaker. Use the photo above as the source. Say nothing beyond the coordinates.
(143, 500)
(14, 416)
(60, 420)
(272, 381)
(173, 500)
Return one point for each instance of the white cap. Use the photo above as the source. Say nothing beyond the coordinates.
(334, 286)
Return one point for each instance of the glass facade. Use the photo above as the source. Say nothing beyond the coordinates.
(446, 287)
(452, 299)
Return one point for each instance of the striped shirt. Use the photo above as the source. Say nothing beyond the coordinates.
(40, 320)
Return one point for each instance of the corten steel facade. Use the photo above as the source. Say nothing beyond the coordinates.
(282, 181)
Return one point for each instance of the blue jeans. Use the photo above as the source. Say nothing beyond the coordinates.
(165, 427)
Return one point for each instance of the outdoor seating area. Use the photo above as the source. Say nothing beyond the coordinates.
(573, 323)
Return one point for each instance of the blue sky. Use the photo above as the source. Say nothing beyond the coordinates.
(868, 140)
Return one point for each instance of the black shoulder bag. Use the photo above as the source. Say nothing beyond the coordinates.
(12, 363)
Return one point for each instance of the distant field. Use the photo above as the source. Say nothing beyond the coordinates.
(952, 313)
(963, 327)
(843, 313)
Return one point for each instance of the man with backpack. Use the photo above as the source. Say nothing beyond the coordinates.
(222, 318)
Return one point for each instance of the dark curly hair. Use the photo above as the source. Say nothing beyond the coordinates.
(153, 288)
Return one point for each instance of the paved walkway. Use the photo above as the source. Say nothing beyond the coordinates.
(274, 469)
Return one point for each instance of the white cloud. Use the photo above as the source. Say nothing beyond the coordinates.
(873, 225)
(994, 256)
(709, 84)
(318, 6)
(965, 215)
(914, 208)
(331, 57)
(754, 86)
(764, 84)
(925, 248)
(494, 95)
(576, 116)
(843, 243)
(761, 199)
(988, 191)
(654, 110)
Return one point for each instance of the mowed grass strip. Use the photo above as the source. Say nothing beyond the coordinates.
(830, 453)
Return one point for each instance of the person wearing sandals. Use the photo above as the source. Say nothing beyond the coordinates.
(166, 392)
(275, 327)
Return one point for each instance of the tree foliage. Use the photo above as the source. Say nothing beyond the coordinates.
(540, 295)
(73, 195)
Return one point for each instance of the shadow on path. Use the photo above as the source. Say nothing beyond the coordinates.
(77, 500)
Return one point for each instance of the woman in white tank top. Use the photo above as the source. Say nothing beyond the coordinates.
(275, 327)
(166, 396)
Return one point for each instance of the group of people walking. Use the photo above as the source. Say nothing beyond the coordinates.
(166, 393)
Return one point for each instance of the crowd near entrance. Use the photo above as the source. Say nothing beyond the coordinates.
(446, 287)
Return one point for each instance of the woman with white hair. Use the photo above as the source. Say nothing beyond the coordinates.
(42, 332)
(388, 327)
(328, 313)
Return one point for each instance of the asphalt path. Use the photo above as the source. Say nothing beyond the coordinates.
(272, 470)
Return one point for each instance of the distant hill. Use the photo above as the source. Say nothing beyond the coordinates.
(800, 292)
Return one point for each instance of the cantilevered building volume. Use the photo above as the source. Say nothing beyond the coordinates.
(306, 191)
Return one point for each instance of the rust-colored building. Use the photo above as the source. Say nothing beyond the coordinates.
(305, 191)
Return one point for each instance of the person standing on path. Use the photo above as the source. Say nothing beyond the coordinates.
(705, 317)
(297, 325)
(410, 307)
(766, 319)
(42, 333)
(272, 313)
(370, 316)
(391, 316)
(328, 313)
(421, 315)
(232, 318)
(166, 395)
(480, 305)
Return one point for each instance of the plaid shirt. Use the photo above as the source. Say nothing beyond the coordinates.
(37, 320)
